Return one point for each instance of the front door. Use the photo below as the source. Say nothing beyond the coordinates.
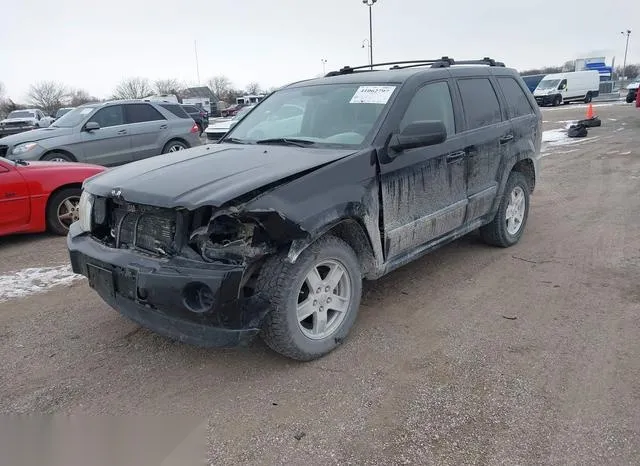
(15, 208)
(111, 144)
(424, 189)
(489, 137)
(148, 130)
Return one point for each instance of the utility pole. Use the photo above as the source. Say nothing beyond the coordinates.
(626, 49)
(370, 4)
(195, 46)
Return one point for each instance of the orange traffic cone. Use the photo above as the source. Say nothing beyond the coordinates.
(590, 112)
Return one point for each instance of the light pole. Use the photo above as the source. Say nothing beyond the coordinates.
(626, 49)
(365, 43)
(370, 4)
(324, 63)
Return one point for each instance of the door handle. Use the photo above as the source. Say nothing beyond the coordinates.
(505, 139)
(122, 131)
(164, 126)
(456, 156)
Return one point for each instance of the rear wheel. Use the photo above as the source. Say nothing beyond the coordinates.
(174, 146)
(57, 157)
(62, 210)
(588, 98)
(507, 227)
(312, 303)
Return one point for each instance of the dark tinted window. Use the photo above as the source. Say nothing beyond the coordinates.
(176, 109)
(480, 102)
(191, 109)
(432, 102)
(138, 113)
(109, 116)
(517, 101)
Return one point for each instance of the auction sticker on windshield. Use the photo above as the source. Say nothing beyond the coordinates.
(372, 95)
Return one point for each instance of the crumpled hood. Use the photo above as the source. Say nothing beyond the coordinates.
(208, 175)
(35, 135)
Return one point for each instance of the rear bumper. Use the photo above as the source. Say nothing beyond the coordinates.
(155, 293)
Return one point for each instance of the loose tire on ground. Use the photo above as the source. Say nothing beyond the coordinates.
(500, 232)
(287, 288)
(57, 157)
(59, 203)
(174, 146)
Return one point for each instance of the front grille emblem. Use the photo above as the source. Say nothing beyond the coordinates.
(116, 193)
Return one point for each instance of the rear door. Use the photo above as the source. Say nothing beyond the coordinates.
(147, 127)
(15, 208)
(489, 138)
(423, 189)
(111, 144)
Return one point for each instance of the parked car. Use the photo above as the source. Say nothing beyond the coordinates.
(111, 133)
(632, 90)
(232, 110)
(217, 130)
(199, 115)
(559, 88)
(273, 233)
(63, 111)
(20, 121)
(39, 196)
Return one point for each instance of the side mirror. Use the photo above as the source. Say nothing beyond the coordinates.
(419, 134)
(91, 126)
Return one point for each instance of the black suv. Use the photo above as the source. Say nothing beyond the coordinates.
(199, 115)
(272, 230)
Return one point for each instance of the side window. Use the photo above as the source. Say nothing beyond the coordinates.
(431, 102)
(139, 113)
(480, 102)
(517, 101)
(39, 115)
(109, 116)
(563, 85)
(176, 109)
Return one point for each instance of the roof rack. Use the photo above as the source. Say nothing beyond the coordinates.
(443, 62)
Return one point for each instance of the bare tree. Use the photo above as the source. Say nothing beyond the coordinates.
(167, 86)
(47, 95)
(80, 97)
(133, 88)
(253, 89)
(220, 86)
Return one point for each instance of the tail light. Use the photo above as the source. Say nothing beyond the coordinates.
(195, 129)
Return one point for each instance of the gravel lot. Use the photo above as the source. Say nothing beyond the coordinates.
(471, 355)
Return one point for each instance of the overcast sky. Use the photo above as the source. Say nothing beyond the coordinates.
(93, 45)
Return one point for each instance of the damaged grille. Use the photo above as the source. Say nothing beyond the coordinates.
(143, 227)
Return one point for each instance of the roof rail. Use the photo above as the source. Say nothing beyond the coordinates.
(443, 62)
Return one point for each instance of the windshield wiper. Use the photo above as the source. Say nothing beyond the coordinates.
(235, 141)
(287, 142)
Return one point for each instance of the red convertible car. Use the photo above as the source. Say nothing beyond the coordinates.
(39, 196)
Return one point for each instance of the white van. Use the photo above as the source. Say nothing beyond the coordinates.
(559, 88)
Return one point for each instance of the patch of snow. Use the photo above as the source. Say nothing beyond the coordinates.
(612, 119)
(625, 153)
(35, 280)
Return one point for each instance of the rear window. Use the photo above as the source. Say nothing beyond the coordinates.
(176, 109)
(192, 109)
(517, 101)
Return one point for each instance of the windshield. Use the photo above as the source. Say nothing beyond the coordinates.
(548, 84)
(21, 114)
(74, 117)
(242, 112)
(342, 114)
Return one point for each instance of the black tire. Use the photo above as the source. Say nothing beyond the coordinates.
(58, 157)
(174, 146)
(282, 284)
(629, 99)
(588, 98)
(54, 225)
(557, 101)
(496, 233)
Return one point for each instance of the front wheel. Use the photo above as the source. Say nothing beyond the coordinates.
(557, 101)
(62, 210)
(312, 303)
(57, 157)
(507, 227)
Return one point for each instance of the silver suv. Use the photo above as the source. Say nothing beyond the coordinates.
(111, 133)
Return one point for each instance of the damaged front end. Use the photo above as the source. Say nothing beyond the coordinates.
(187, 274)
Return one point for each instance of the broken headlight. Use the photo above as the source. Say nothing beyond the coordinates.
(85, 208)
